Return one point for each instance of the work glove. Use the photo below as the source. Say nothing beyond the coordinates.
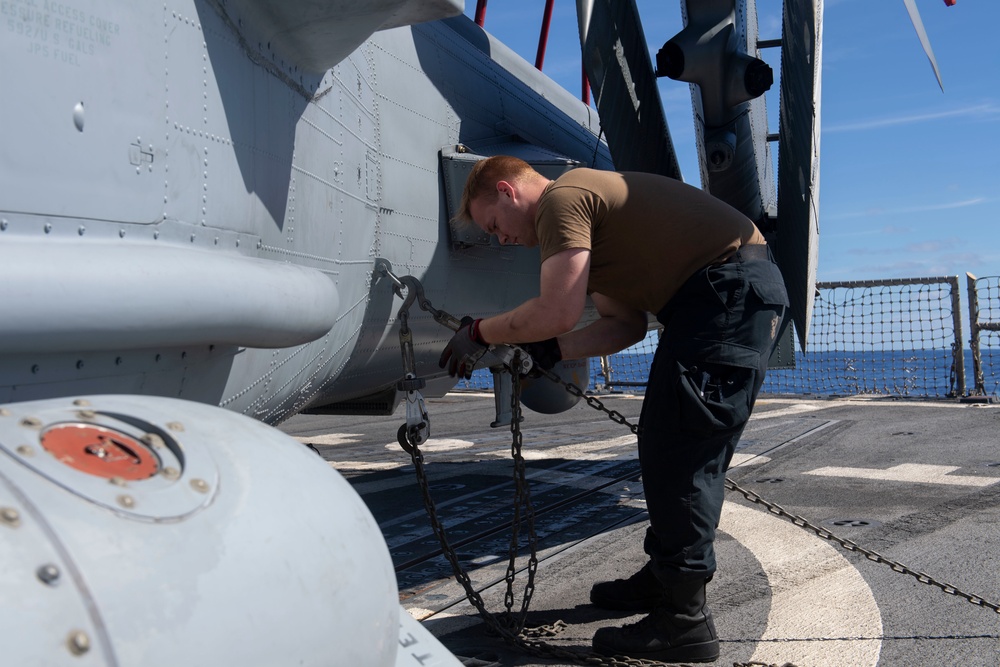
(545, 354)
(464, 349)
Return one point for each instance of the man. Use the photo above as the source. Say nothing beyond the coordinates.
(641, 243)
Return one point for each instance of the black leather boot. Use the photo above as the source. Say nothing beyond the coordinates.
(680, 630)
(640, 592)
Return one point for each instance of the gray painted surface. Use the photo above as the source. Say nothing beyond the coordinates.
(252, 551)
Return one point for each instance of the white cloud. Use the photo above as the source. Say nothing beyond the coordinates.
(871, 212)
(931, 246)
(988, 111)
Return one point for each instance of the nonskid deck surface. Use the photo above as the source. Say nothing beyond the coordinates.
(916, 482)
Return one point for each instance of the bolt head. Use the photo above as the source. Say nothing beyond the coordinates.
(78, 642)
(10, 516)
(48, 574)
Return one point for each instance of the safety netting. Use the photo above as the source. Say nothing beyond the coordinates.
(881, 337)
(892, 337)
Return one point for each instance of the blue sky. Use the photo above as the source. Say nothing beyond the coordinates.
(909, 176)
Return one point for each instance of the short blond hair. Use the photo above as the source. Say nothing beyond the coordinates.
(483, 179)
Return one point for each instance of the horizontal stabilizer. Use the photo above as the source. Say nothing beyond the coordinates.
(315, 36)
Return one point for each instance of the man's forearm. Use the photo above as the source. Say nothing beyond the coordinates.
(530, 322)
(557, 309)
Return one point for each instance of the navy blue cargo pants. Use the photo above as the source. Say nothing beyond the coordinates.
(718, 333)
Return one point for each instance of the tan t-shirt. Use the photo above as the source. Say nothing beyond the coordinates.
(647, 233)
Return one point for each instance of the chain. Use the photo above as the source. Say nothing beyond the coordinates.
(417, 426)
(873, 556)
(522, 498)
(592, 401)
(505, 626)
(513, 630)
(799, 521)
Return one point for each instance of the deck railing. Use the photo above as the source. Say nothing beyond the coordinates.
(880, 337)
(984, 318)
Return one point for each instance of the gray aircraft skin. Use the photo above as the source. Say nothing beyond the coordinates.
(211, 223)
(208, 201)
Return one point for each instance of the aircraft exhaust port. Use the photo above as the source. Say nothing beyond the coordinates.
(139, 467)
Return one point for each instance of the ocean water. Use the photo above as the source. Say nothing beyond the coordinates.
(915, 373)
(839, 372)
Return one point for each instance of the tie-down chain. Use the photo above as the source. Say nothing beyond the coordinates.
(506, 625)
(414, 433)
(417, 428)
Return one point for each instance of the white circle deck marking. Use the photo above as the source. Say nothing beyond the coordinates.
(815, 594)
(437, 445)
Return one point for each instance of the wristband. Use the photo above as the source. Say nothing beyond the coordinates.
(474, 330)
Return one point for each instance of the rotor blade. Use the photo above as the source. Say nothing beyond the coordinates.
(918, 25)
(616, 59)
(584, 10)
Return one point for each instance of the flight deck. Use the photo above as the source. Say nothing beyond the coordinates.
(913, 484)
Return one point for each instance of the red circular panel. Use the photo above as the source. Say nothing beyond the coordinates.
(100, 451)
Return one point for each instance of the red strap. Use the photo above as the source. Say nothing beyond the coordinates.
(476, 336)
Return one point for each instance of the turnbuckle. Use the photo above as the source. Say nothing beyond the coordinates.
(416, 430)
